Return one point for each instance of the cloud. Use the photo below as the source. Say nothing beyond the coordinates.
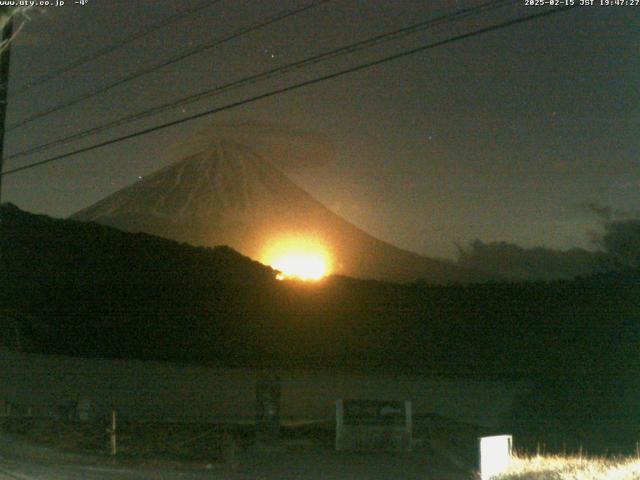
(621, 241)
(513, 262)
(618, 242)
(620, 235)
(607, 213)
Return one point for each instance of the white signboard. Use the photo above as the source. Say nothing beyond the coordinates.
(373, 425)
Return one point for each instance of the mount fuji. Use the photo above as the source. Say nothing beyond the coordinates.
(228, 194)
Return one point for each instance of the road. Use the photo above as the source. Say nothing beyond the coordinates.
(10, 470)
(267, 466)
(309, 463)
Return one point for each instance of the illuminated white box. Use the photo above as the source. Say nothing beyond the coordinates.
(495, 455)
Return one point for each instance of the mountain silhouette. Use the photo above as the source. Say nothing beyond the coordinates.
(230, 195)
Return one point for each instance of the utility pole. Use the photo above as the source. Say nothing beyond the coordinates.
(5, 58)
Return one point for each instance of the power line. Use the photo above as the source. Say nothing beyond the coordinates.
(256, 26)
(296, 86)
(272, 73)
(116, 46)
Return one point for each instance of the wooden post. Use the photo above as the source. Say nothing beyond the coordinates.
(339, 424)
(408, 426)
(112, 433)
(268, 394)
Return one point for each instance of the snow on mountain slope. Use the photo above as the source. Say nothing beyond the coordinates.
(228, 182)
(227, 194)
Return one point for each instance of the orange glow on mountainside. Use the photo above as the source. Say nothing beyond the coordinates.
(298, 258)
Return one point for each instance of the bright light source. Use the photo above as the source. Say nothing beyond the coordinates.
(495, 455)
(302, 266)
(298, 258)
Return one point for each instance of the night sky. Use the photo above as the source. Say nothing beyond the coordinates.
(502, 136)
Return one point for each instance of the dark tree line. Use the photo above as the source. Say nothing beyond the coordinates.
(89, 290)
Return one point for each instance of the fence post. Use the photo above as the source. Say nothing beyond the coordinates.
(112, 433)
(339, 424)
(268, 394)
(408, 426)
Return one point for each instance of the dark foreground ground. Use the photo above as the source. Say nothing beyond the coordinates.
(283, 465)
(309, 463)
(444, 451)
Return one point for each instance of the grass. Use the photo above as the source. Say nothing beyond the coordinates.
(572, 468)
(175, 441)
